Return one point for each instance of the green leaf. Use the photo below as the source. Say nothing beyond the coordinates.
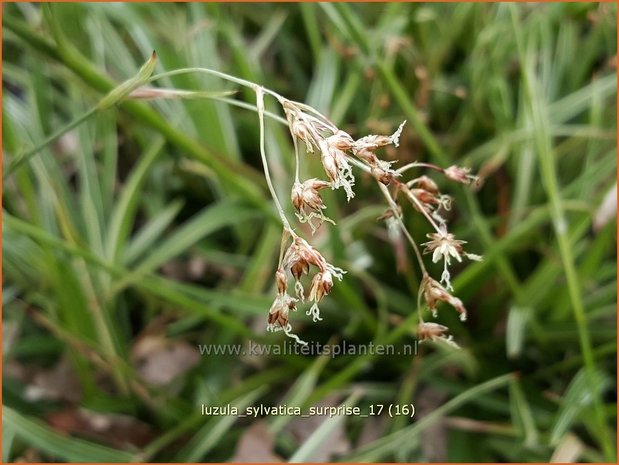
(299, 393)
(125, 208)
(384, 446)
(36, 434)
(516, 328)
(214, 430)
(577, 398)
(212, 218)
(151, 232)
(322, 433)
(8, 435)
(522, 416)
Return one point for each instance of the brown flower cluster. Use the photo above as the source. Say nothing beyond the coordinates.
(339, 153)
(308, 203)
(300, 259)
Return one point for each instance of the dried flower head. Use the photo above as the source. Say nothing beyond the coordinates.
(433, 293)
(425, 183)
(301, 130)
(434, 332)
(372, 142)
(431, 201)
(460, 174)
(278, 314)
(337, 168)
(384, 175)
(444, 245)
(321, 286)
(298, 258)
(341, 140)
(367, 156)
(308, 203)
(364, 149)
(298, 269)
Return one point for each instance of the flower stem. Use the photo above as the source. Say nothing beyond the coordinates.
(260, 105)
(394, 207)
(296, 159)
(227, 77)
(416, 164)
(422, 209)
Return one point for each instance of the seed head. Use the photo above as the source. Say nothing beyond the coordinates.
(434, 332)
(425, 183)
(367, 156)
(444, 245)
(372, 142)
(301, 130)
(427, 198)
(299, 256)
(321, 286)
(329, 160)
(337, 168)
(278, 314)
(385, 177)
(433, 293)
(308, 203)
(298, 268)
(461, 174)
(341, 140)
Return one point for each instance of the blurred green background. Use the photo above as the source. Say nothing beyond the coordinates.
(148, 230)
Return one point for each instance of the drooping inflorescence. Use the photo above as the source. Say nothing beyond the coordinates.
(339, 153)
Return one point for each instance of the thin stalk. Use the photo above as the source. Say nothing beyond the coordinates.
(402, 439)
(419, 298)
(417, 164)
(567, 258)
(421, 208)
(265, 164)
(249, 106)
(227, 77)
(398, 217)
(296, 159)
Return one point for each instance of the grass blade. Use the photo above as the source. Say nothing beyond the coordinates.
(58, 446)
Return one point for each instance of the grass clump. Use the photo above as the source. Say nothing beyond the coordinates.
(141, 230)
